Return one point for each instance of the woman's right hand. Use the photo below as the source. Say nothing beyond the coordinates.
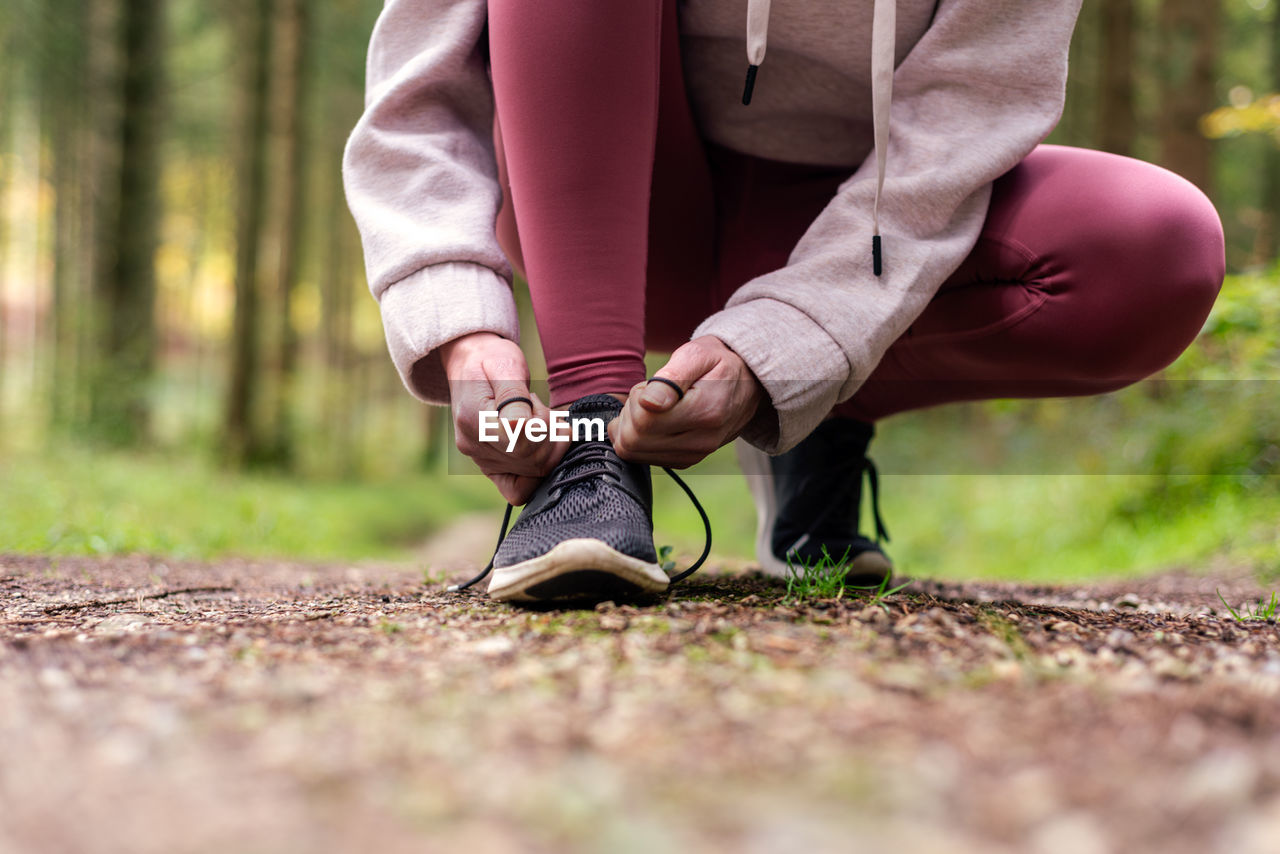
(484, 370)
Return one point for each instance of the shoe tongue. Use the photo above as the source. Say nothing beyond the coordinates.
(603, 406)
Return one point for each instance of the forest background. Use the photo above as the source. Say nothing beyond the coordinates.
(191, 365)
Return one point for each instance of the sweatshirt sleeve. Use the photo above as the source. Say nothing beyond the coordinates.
(982, 87)
(421, 182)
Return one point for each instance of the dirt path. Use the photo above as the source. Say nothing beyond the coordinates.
(155, 706)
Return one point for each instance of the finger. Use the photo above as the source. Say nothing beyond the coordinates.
(508, 379)
(540, 409)
(679, 456)
(469, 399)
(516, 489)
(552, 452)
(699, 411)
(689, 363)
(672, 451)
(660, 394)
(514, 403)
(641, 436)
(509, 384)
(533, 454)
(525, 457)
(512, 400)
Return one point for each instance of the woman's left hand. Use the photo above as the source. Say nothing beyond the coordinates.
(721, 396)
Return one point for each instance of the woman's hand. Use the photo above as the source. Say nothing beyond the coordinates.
(484, 370)
(657, 426)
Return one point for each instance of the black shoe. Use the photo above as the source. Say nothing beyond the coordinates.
(809, 499)
(587, 532)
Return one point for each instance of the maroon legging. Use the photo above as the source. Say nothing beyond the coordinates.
(1092, 270)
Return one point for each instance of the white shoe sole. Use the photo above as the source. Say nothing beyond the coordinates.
(755, 465)
(577, 569)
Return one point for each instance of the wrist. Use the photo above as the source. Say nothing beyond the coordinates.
(453, 354)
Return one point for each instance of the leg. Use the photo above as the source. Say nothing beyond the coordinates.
(809, 500)
(1092, 272)
(597, 150)
(582, 95)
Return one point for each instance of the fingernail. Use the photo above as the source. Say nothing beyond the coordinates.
(659, 394)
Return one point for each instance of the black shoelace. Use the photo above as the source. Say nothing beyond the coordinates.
(594, 459)
(873, 478)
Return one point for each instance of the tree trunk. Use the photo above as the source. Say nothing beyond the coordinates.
(1116, 120)
(128, 235)
(336, 344)
(62, 92)
(242, 442)
(294, 56)
(99, 190)
(1189, 31)
(105, 109)
(1079, 111)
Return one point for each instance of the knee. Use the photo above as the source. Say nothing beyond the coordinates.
(1187, 246)
(1169, 237)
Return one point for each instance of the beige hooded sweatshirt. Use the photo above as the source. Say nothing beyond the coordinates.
(975, 85)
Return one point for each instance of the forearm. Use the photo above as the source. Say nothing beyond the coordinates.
(421, 181)
(975, 95)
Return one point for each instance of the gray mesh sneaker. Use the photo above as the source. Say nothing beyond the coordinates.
(587, 532)
(809, 499)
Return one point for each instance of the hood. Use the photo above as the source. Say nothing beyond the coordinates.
(883, 35)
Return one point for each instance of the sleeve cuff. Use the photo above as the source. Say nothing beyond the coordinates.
(802, 369)
(436, 305)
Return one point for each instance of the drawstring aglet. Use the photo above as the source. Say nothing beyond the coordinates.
(877, 262)
(751, 84)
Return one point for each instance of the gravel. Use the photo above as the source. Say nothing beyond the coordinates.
(152, 705)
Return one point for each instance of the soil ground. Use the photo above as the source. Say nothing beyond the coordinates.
(161, 706)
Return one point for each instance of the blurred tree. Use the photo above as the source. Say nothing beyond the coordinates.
(124, 278)
(293, 74)
(270, 345)
(63, 79)
(1188, 31)
(1079, 113)
(1269, 238)
(8, 97)
(1117, 122)
(242, 438)
(335, 335)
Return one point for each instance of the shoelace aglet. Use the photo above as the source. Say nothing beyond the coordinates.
(750, 84)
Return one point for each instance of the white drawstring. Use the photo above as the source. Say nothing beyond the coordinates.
(883, 36)
(757, 30)
(757, 40)
(883, 50)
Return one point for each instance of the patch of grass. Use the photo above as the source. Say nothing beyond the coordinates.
(1072, 528)
(820, 579)
(1264, 610)
(1007, 631)
(1051, 528)
(825, 579)
(433, 578)
(74, 501)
